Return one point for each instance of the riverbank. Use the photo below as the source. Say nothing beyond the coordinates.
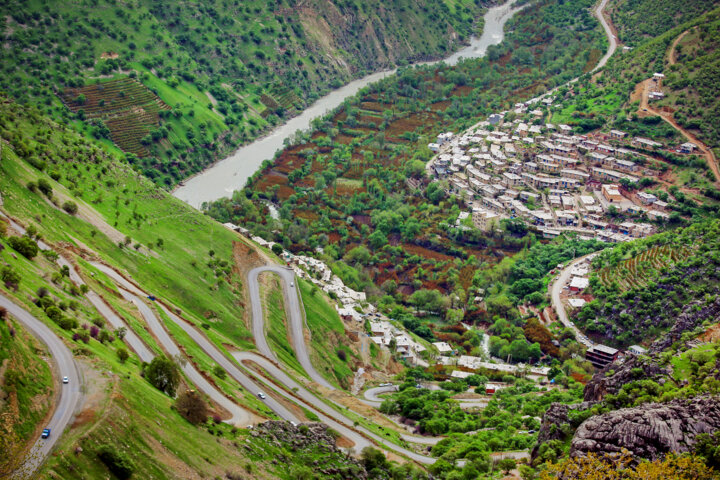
(231, 173)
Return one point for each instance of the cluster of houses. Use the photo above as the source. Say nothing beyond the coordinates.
(386, 334)
(447, 357)
(555, 180)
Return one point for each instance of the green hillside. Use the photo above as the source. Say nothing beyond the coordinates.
(26, 389)
(223, 72)
(641, 287)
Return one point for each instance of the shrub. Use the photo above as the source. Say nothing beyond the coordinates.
(25, 246)
(342, 355)
(10, 277)
(122, 354)
(192, 407)
(118, 463)
(219, 372)
(70, 207)
(45, 187)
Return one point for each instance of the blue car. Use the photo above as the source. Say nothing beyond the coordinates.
(45, 433)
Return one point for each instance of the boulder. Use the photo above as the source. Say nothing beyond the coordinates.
(650, 430)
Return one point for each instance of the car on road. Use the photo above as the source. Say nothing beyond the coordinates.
(292, 284)
(66, 380)
(262, 395)
(45, 433)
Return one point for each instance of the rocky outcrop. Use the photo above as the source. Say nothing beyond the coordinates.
(693, 315)
(650, 430)
(314, 438)
(614, 376)
(556, 423)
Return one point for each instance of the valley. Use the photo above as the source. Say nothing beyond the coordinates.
(503, 264)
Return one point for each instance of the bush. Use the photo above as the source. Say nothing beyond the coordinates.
(191, 407)
(70, 207)
(219, 372)
(118, 463)
(25, 246)
(10, 278)
(45, 187)
(122, 354)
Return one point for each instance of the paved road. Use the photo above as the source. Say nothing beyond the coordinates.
(70, 394)
(295, 316)
(239, 416)
(612, 41)
(555, 291)
(359, 435)
(335, 419)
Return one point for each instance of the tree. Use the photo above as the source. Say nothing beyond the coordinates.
(191, 407)
(9, 277)
(219, 372)
(117, 462)
(506, 464)
(25, 246)
(122, 354)
(277, 249)
(120, 332)
(163, 374)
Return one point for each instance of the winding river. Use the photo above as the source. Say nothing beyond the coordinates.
(231, 174)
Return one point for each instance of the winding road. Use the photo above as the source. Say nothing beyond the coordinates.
(295, 316)
(612, 41)
(70, 393)
(556, 289)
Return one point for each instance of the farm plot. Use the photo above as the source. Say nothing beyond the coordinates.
(127, 107)
(635, 272)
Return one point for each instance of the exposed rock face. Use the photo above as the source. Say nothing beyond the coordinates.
(650, 430)
(311, 437)
(687, 320)
(633, 368)
(556, 423)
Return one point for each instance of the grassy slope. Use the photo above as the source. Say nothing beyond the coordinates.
(622, 315)
(27, 389)
(276, 325)
(243, 53)
(327, 335)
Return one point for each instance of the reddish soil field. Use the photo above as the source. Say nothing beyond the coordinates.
(425, 252)
(440, 106)
(462, 91)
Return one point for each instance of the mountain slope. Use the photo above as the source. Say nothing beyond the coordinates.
(224, 72)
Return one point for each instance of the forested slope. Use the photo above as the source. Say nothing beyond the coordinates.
(224, 71)
(641, 287)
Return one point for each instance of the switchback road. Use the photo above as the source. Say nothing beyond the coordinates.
(70, 393)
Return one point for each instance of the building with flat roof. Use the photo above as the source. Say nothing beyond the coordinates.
(601, 355)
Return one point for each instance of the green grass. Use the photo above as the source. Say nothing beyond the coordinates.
(178, 270)
(276, 325)
(682, 364)
(327, 333)
(27, 386)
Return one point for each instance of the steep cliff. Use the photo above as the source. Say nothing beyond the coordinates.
(650, 430)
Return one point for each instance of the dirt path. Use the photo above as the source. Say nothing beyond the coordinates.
(672, 55)
(642, 90)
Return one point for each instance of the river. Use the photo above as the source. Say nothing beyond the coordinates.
(230, 174)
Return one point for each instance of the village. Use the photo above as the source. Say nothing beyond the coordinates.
(554, 180)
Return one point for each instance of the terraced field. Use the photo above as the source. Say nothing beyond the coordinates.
(127, 107)
(635, 272)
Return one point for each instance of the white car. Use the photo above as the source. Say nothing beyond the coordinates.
(292, 284)
(66, 380)
(261, 395)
